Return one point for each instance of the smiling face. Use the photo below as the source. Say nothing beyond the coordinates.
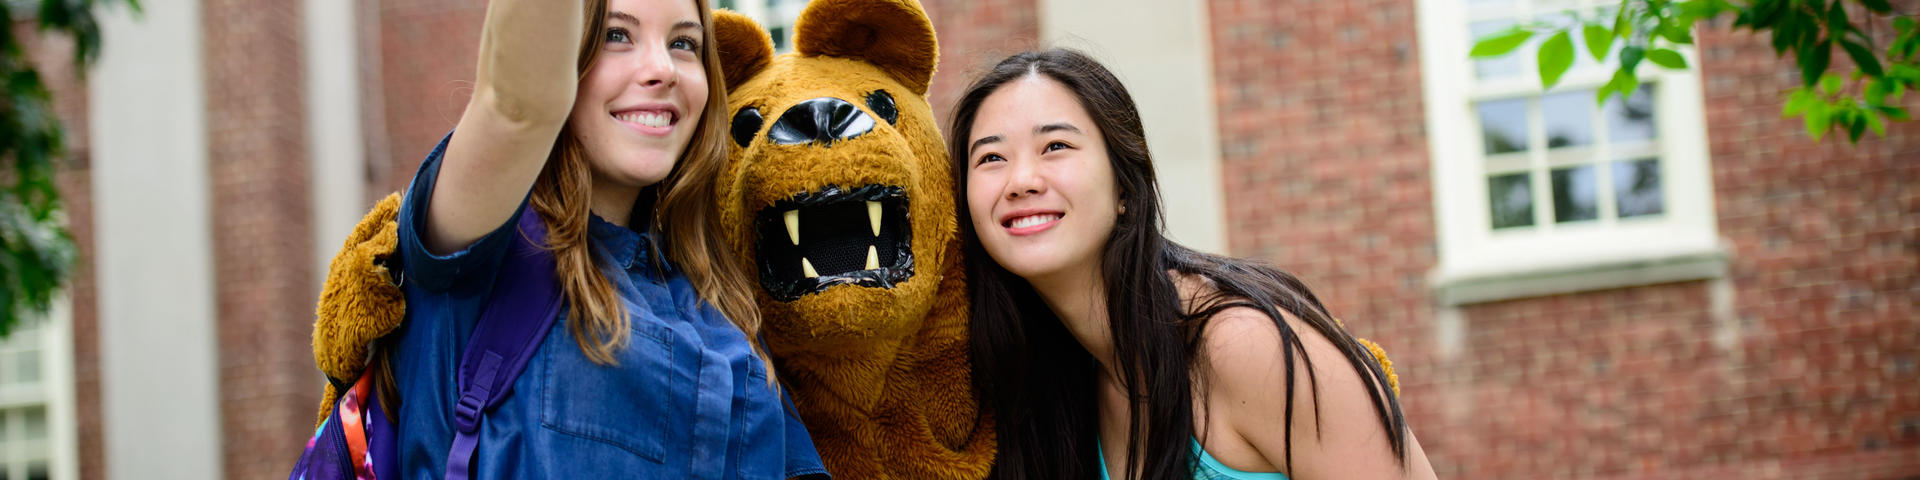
(1040, 185)
(640, 101)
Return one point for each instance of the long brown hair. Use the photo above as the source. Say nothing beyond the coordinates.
(679, 210)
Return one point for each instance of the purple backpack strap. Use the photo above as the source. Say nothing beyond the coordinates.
(525, 303)
(382, 434)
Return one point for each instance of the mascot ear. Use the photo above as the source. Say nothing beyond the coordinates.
(892, 34)
(745, 48)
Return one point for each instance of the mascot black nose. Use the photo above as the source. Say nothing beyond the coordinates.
(822, 120)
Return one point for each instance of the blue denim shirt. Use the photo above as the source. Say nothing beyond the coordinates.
(688, 398)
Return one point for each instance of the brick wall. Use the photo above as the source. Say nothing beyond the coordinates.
(974, 35)
(1324, 155)
(1824, 239)
(426, 62)
(262, 221)
(1809, 374)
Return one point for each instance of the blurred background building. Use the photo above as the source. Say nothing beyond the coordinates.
(1678, 285)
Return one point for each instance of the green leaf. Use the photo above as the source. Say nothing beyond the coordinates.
(1630, 57)
(1817, 121)
(1855, 127)
(1837, 23)
(1599, 41)
(1622, 23)
(1813, 62)
(1556, 56)
(1500, 43)
(1877, 6)
(1797, 103)
(1626, 83)
(1693, 10)
(1876, 92)
(1830, 84)
(1903, 24)
(1784, 35)
(1667, 58)
(1681, 34)
(1862, 57)
(1897, 114)
(1762, 15)
(1874, 122)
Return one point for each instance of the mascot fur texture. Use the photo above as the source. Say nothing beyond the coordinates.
(838, 190)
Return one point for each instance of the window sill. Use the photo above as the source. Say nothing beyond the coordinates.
(1650, 270)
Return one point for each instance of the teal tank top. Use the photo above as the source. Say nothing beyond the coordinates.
(1209, 468)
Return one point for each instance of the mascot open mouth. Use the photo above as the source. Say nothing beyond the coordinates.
(834, 236)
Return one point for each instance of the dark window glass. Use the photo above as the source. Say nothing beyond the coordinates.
(1511, 197)
(1575, 197)
(1636, 187)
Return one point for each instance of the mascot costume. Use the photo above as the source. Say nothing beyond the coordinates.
(839, 192)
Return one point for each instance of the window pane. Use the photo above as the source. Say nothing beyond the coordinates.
(1503, 125)
(1636, 186)
(1503, 66)
(1569, 118)
(27, 367)
(36, 424)
(1574, 196)
(1511, 197)
(1631, 120)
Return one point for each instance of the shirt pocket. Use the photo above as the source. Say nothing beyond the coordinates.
(761, 439)
(643, 405)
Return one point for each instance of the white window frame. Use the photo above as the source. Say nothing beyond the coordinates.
(52, 337)
(1477, 263)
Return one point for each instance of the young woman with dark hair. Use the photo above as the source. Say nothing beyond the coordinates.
(1101, 346)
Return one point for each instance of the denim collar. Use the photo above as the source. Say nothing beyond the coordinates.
(625, 245)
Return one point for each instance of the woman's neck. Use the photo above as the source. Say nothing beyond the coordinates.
(613, 202)
(1079, 299)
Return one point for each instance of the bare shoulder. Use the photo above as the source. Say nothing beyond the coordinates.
(1336, 430)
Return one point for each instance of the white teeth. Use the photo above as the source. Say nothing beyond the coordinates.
(873, 216)
(651, 119)
(1029, 221)
(807, 267)
(873, 258)
(793, 226)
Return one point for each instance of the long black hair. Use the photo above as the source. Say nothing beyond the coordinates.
(1039, 382)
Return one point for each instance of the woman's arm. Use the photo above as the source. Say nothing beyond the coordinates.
(523, 90)
(1341, 438)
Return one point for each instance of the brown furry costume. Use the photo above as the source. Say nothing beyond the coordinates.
(839, 189)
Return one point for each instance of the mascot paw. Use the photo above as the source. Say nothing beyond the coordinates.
(361, 300)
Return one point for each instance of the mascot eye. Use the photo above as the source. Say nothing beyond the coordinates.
(746, 124)
(882, 104)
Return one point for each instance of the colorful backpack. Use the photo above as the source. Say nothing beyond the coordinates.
(357, 440)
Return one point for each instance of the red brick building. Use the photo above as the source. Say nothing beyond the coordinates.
(1681, 285)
